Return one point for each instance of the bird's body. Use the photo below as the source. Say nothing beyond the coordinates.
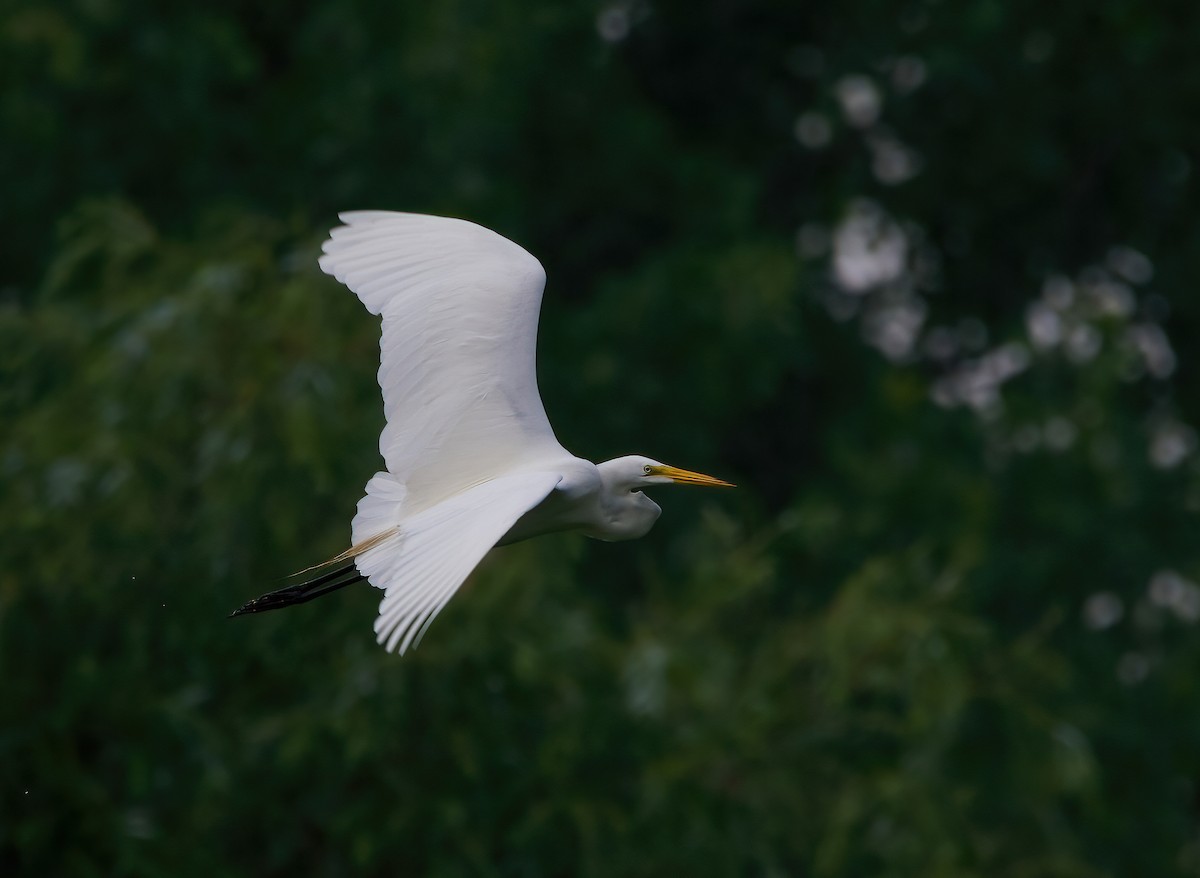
(472, 461)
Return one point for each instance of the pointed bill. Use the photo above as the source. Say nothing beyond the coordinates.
(686, 477)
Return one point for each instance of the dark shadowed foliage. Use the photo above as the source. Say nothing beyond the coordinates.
(919, 276)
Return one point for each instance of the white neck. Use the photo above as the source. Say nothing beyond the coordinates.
(622, 511)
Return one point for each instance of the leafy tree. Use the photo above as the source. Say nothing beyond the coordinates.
(915, 276)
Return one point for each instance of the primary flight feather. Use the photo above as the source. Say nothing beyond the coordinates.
(471, 458)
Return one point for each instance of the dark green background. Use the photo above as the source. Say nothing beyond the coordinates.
(945, 627)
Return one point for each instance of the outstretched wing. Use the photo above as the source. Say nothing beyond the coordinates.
(432, 553)
(457, 367)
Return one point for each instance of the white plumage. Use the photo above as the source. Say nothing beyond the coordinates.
(471, 458)
(458, 354)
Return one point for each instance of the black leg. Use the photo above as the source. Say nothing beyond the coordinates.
(303, 591)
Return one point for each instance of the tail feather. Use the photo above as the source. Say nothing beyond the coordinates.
(302, 592)
(377, 520)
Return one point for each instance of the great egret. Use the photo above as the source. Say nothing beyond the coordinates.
(471, 459)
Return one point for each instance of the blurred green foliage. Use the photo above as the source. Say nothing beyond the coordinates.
(908, 273)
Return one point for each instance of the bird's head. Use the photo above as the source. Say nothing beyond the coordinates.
(636, 472)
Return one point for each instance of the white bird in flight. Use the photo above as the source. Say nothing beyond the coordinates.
(472, 462)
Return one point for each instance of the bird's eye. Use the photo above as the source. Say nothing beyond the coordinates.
(646, 469)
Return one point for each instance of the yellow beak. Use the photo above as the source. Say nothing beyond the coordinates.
(684, 477)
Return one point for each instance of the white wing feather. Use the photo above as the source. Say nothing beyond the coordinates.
(434, 551)
(467, 444)
(460, 310)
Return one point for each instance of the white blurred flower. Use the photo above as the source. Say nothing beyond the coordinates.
(1043, 325)
(893, 327)
(1171, 443)
(869, 248)
(1112, 298)
(891, 161)
(1173, 592)
(1058, 291)
(1083, 343)
(1102, 610)
(860, 100)
(1149, 340)
(1132, 265)
(613, 23)
(976, 383)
